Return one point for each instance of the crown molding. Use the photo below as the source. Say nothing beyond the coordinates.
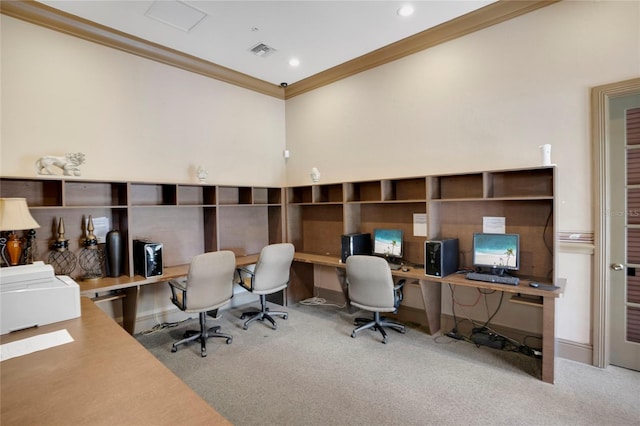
(48, 17)
(493, 14)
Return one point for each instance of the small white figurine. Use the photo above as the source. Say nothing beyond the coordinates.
(201, 173)
(315, 175)
(69, 164)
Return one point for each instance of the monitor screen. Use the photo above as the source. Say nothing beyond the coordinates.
(387, 242)
(496, 251)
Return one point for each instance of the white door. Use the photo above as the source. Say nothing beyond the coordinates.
(624, 231)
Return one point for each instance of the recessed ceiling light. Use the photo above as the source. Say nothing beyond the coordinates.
(406, 10)
(294, 62)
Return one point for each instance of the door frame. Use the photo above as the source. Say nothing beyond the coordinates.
(600, 97)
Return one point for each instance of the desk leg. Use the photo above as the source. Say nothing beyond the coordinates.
(548, 339)
(432, 304)
(130, 309)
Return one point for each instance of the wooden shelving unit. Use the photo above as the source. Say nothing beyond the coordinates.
(192, 218)
(455, 206)
(188, 219)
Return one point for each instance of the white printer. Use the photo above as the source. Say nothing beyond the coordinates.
(32, 295)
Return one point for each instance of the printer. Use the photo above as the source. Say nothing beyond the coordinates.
(32, 295)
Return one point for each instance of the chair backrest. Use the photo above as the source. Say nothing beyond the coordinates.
(210, 279)
(370, 282)
(273, 267)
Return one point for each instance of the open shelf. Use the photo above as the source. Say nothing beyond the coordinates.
(153, 194)
(188, 219)
(364, 191)
(95, 194)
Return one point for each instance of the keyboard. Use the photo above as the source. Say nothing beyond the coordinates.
(490, 278)
(394, 266)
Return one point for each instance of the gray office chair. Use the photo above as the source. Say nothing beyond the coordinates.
(371, 288)
(207, 287)
(269, 275)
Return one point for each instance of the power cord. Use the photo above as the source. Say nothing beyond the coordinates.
(164, 325)
(319, 301)
(483, 335)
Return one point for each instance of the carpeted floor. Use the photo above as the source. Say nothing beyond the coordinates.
(311, 372)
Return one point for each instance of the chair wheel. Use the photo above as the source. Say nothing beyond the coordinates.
(285, 316)
(403, 331)
(229, 340)
(384, 340)
(203, 354)
(273, 327)
(353, 335)
(174, 349)
(245, 327)
(243, 316)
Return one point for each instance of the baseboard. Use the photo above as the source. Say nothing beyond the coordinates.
(579, 352)
(173, 314)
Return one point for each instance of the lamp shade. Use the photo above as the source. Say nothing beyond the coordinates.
(15, 216)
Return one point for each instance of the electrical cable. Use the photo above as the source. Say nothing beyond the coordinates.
(164, 325)
(319, 301)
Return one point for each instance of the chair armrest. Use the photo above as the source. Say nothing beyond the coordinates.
(397, 289)
(241, 278)
(179, 292)
(399, 285)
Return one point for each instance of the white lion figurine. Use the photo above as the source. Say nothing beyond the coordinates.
(69, 164)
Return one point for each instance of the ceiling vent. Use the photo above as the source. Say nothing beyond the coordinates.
(262, 50)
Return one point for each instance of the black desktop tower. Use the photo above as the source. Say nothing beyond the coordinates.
(355, 244)
(147, 258)
(441, 257)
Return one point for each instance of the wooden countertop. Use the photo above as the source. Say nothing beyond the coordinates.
(90, 287)
(103, 377)
(454, 279)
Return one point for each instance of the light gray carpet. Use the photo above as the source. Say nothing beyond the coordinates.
(311, 372)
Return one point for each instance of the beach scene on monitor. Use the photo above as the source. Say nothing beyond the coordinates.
(496, 252)
(388, 242)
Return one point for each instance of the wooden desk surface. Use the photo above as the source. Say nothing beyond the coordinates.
(328, 260)
(454, 279)
(103, 377)
(90, 287)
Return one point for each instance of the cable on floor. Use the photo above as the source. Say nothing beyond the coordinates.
(164, 325)
(319, 301)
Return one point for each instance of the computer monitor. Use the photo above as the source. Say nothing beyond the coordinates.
(387, 243)
(496, 253)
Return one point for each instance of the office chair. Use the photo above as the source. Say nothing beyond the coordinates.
(207, 287)
(269, 275)
(371, 288)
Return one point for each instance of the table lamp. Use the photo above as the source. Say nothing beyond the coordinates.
(15, 216)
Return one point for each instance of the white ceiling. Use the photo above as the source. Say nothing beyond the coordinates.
(320, 34)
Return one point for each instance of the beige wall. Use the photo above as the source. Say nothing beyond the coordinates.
(135, 119)
(484, 101)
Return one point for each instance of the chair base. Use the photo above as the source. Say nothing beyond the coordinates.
(263, 314)
(378, 323)
(202, 335)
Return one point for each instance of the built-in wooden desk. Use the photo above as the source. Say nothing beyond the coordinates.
(103, 377)
(548, 312)
(431, 291)
(128, 288)
(429, 288)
